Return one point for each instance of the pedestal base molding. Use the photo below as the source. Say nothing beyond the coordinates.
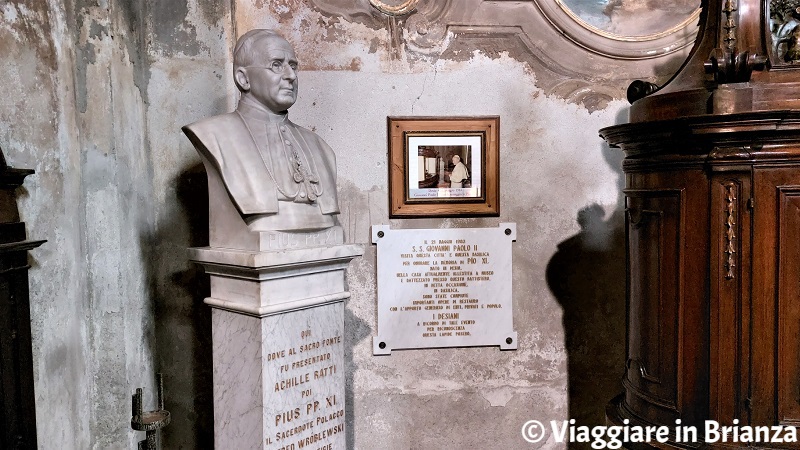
(278, 351)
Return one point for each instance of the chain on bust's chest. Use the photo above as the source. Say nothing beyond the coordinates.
(300, 173)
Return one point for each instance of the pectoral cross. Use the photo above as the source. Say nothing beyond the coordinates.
(302, 175)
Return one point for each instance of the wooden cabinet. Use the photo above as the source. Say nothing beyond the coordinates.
(713, 266)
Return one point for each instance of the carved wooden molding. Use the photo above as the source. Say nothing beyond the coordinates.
(730, 24)
(731, 196)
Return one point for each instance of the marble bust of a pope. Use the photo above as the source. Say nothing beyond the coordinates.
(278, 175)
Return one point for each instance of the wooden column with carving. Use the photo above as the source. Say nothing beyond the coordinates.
(17, 409)
(713, 231)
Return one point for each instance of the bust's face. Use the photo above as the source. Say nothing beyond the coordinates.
(277, 91)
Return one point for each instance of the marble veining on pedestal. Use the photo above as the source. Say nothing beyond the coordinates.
(279, 380)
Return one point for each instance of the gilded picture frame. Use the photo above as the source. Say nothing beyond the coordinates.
(444, 166)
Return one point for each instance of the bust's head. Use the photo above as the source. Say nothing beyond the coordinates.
(265, 70)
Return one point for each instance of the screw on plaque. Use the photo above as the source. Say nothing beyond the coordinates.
(151, 421)
(382, 345)
(509, 341)
(380, 234)
(508, 231)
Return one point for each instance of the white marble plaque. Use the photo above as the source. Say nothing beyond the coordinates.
(444, 288)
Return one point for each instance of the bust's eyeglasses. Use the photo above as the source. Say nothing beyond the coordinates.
(279, 67)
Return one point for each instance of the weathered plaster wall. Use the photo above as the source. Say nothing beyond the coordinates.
(95, 96)
(73, 108)
(559, 183)
(116, 212)
(189, 77)
(36, 116)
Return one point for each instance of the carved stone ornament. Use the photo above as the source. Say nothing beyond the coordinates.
(399, 9)
(645, 42)
(537, 32)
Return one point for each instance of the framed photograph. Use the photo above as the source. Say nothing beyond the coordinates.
(444, 166)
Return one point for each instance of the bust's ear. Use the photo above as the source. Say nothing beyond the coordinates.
(241, 79)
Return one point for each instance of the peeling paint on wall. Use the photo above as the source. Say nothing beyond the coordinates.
(186, 84)
(27, 22)
(556, 174)
(119, 194)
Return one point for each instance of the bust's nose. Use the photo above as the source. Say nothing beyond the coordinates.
(289, 73)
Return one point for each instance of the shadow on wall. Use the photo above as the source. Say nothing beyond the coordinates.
(355, 330)
(587, 277)
(182, 320)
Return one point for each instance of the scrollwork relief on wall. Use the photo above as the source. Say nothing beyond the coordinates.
(585, 56)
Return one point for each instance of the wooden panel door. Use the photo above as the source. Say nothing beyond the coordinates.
(655, 235)
(775, 376)
(667, 249)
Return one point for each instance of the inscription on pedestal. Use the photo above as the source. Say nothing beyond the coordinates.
(444, 288)
(283, 240)
(278, 350)
(304, 380)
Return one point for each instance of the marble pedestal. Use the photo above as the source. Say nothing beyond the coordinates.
(278, 346)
